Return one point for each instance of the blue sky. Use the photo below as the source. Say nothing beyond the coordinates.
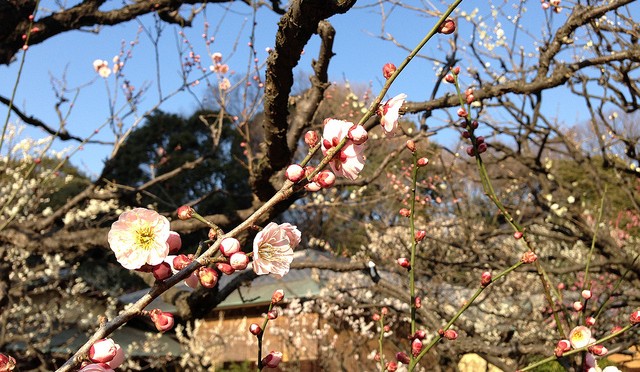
(360, 54)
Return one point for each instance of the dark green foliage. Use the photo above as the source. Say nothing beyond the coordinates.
(168, 141)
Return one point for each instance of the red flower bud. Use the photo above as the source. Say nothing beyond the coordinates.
(471, 151)
(518, 234)
(420, 235)
(273, 314)
(225, 268)
(482, 148)
(162, 271)
(185, 212)
(375, 317)
(411, 146)
(485, 279)
(635, 317)
(255, 329)
(455, 70)
(447, 27)
(450, 334)
(529, 257)
(392, 366)
(388, 69)
(404, 212)
(416, 347)
(450, 79)
(7, 363)
(420, 334)
(174, 241)
(325, 179)
(311, 138)
(277, 296)
(598, 350)
(384, 311)
(417, 302)
(239, 261)
(163, 321)
(423, 162)
(272, 359)
(181, 261)
(402, 357)
(103, 351)
(404, 262)
(586, 294)
(589, 321)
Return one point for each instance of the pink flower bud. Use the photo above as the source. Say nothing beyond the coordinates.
(564, 345)
(239, 261)
(312, 186)
(384, 311)
(375, 317)
(420, 334)
(485, 279)
(162, 271)
(392, 366)
(255, 329)
(529, 257)
(225, 268)
(386, 328)
(411, 146)
(311, 138)
(208, 277)
(229, 246)
(402, 357)
(174, 241)
(7, 363)
(423, 162)
(482, 148)
(450, 334)
(416, 347)
(616, 329)
(598, 350)
(577, 306)
(163, 321)
(377, 357)
(450, 79)
(181, 261)
(417, 302)
(358, 135)
(272, 359)
(273, 314)
(404, 212)
(480, 139)
(404, 262)
(447, 27)
(103, 351)
(277, 296)
(518, 234)
(635, 317)
(586, 294)
(325, 179)
(455, 70)
(420, 235)
(388, 69)
(470, 98)
(294, 173)
(185, 212)
(589, 321)
(462, 112)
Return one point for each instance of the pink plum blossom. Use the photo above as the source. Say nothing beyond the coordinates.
(272, 359)
(103, 351)
(349, 161)
(273, 249)
(139, 237)
(7, 363)
(390, 112)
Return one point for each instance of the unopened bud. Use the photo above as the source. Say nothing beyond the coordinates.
(529, 257)
(423, 162)
(312, 186)
(311, 138)
(229, 246)
(272, 360)
(404, 262)
(589, 321)
(185, 212)
(181, 261)
(462, 112)
(450, 79)
(161, 271)
(174, 241)
(634, 318)
(450, 334)
(471, 151)
(416, 347)
(586, 294)
(404, 212)
(417, 302)
(375, 317)
(470, 98)
(482, 148)
(225, 268)
(208, 277)
(388, 69)
(455, 70)
(384, 310)
(239, 261)
(420, 235)
(358, 135)
(420, 334)
(518, 234)
(294, 173)
(325, 179)
(392, 366)
(447, 27)
(411, 146)
(402, 357)
(577, 306)
(255, 329)
(598, 350)
(273, 314)
(277, 296)
(485, 279)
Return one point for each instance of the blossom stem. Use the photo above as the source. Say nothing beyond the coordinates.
(412, 269)
(380, 339)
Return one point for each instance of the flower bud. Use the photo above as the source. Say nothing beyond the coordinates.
(423, 162)
(411, 146)
(420, 334)
(402, 357)
(163, 321)
(518, 234)
(225, 268)
(586, 294)
(450, 334)
(388, 69)
(404, 212)
(185, 212)
(420, 235)
(312, 186)
(229, 246)
(416, 347)
(376, 357)
(404, 262)
(564, 345)
(392, 366)
(417, 302)
(462, 112)
(577, 306)
(358, 135)
(447, 27)
(273, 314)
(455, 70)
(529, 257)
(272, 359)
(598, 350)
(634, 318)
(103, 351)
(471, 151)
(482, 148)
(174, 241)
(450, 79)
(294, 173)
(208, 277)
(470, 98)
(277, 296)
(311, 138)
(485, 279)
(589, 321)
(181, 261)
(162, 271)
(375, 317)
(7, 363)
(325, 179)
(255, 329)
(239, 261)
(384, 311)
